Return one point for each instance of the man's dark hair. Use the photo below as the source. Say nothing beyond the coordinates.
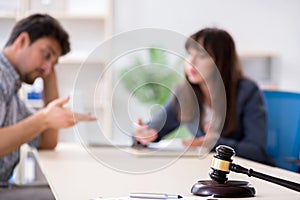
(38, 26)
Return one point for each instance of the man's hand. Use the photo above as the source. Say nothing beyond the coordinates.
(59, 117)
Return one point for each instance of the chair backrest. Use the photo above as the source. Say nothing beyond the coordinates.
(283, 139)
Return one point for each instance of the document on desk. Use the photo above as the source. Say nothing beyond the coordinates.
(172, 147)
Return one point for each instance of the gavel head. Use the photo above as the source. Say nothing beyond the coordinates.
(221, 163)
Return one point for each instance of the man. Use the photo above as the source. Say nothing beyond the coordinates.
(32, 50)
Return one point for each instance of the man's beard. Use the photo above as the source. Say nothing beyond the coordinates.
(28, 79)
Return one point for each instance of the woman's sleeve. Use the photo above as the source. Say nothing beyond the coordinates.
(254, 129)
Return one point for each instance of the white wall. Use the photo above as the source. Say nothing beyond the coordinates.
(258, 26)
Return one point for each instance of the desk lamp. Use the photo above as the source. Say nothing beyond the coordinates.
(219, 186)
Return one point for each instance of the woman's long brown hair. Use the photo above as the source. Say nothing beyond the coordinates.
(220, 46)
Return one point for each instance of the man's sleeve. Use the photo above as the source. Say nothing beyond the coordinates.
(29, 111)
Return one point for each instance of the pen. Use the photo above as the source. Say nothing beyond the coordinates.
(154, 196)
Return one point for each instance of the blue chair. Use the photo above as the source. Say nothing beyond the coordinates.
(283, 139)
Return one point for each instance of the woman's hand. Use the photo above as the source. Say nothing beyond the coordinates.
(195, 142)
(144, 134)
(209, 138)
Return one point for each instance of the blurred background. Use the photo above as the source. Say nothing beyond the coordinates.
(266, 32)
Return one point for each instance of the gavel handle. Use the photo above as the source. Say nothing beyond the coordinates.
(251, 172)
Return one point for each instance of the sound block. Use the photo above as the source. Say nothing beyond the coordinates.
(230, 189)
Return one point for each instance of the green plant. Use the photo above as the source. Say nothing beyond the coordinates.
(151, 76)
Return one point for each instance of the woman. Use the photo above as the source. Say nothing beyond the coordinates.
(245, 117)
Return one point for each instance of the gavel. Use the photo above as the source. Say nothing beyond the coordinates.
(222, 165)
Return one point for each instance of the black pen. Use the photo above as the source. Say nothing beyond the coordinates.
(154, 196)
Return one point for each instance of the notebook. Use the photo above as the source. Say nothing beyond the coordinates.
(172, 147)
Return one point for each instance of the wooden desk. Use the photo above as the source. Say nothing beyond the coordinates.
(73, 173)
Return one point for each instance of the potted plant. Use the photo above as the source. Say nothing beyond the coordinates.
(152, 75)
